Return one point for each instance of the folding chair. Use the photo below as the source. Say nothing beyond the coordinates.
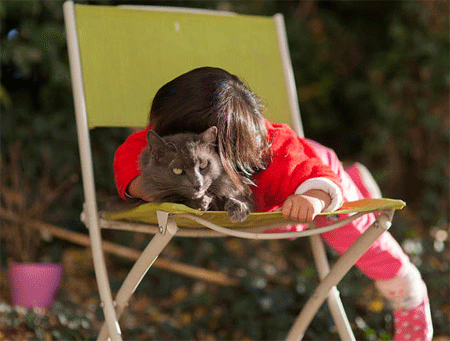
(119, 57)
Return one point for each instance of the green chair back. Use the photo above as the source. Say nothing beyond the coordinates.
(127, 54)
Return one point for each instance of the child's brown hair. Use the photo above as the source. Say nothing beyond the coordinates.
(206, 97)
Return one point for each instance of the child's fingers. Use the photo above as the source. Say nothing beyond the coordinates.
(290, 211)
(299, 209)
(304, 214)
(310, 214)
(286, 208)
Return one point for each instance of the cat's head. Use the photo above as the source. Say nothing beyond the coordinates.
(181, 164)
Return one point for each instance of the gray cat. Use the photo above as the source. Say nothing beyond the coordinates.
(185, 168)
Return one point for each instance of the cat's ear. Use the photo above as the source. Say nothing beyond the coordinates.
(209, 136)
(154, 140)
(155, 143)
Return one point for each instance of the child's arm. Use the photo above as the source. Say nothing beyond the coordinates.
(126, 164)
(305, 207)
(134, 189)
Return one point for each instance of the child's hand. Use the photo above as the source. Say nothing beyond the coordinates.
(305, 207)
(134, 189)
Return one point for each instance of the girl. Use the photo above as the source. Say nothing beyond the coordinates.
(282, 171)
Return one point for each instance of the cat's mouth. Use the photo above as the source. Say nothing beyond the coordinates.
(198, 195)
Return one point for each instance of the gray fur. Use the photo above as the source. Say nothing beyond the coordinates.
(203, 183)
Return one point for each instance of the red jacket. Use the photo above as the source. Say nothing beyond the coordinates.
(293, 162)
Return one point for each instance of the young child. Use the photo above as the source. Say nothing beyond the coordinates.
(282, 171)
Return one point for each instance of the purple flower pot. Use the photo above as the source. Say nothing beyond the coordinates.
(33, 284)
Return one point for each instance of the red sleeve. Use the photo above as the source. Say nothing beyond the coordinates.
(126, 160)
(293, 162)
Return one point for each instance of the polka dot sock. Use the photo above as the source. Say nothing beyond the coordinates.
(407, 294)
(414, 324)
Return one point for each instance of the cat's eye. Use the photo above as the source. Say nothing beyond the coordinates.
(177, 171)
(204, 164)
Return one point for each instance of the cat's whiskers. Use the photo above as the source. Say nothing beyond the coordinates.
(175, 190)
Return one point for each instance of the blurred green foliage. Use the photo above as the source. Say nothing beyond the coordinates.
(372, 78)
(373, 81)
(373, 84)
(36, 79)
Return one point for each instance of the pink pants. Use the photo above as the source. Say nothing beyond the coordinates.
(385, 258)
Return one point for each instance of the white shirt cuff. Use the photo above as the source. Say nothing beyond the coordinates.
(328, 187)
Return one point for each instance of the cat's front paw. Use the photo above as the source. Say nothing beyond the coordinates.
(237, 210)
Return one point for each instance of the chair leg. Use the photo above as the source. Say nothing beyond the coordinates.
(101, 272)
(139, 269)
(344, 263)
(334, 301)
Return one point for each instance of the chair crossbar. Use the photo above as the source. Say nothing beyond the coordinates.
(183, 232)
(214, 230)
(267, 236)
